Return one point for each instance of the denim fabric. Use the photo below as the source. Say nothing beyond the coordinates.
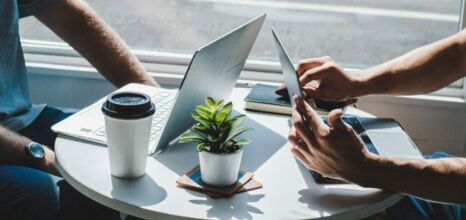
(418, 209)
(27, 193)
(40, 130)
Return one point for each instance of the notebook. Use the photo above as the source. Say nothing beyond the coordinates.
(264, 98)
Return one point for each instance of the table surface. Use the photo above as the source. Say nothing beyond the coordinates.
(288, 192)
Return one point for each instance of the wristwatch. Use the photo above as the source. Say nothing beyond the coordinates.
(35, 151)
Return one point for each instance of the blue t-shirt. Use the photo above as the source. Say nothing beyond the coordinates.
(16, 109)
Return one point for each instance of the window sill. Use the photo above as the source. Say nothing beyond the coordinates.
(173, 80)
(427, 101)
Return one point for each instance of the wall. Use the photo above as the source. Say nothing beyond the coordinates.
(433, 126)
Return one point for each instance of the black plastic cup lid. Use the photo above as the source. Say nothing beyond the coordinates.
(128, 105)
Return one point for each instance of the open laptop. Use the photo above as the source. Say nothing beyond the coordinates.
(213, 72)
(382, 136)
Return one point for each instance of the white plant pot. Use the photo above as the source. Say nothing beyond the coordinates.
(220, 169)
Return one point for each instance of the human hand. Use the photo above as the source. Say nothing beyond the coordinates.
(334, 151)
(281, 90)
(322, 78)
(47, 164)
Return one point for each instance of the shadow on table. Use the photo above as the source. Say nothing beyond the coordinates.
(265, 142)
(327, 198)
(143, 191)
(230, 208)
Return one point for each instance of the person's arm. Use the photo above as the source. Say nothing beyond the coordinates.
(77, 24)
(422, 70)
(442, 180)
(335, 150)
(13, 151)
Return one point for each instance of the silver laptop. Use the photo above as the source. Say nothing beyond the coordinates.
(381, 136)
(213, 72)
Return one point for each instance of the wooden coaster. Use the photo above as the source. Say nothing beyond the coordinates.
(192, 180)
(250, 185)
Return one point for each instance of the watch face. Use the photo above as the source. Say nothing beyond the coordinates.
(37, 150)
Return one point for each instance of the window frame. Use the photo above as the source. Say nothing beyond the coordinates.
(168, 68)
(461, 26)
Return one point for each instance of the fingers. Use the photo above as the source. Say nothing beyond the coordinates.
(351, 101)
(307, 64)
(281, 90)
(304, 156)
(297, 153)
(294, 138)
(327, 65)
(302, 129)
(298, 143)
(335, 121)
(317, 73)
(281, 86)
(312, 92)
(314, 121)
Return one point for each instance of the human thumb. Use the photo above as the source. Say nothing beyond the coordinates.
(335, 120)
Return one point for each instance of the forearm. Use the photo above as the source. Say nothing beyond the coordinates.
(12, 147)
(77, 24)
(442, 180)
(13, 151)
(422, 70)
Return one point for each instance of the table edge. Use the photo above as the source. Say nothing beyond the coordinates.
(143, 213)
(119, 206)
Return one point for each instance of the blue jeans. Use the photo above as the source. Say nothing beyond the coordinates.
(417, 209)
(27, 193)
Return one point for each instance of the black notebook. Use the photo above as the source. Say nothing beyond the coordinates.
(265, 99)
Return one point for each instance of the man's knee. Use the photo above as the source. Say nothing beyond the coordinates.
(26, 193)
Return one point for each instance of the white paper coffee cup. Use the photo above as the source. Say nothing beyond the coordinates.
(128, 118)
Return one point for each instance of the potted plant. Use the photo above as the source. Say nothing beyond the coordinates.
(216, 133)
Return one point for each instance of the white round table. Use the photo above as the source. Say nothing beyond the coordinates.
(289, 191)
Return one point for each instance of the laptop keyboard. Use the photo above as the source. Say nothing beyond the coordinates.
(163, 102)
(354, 122)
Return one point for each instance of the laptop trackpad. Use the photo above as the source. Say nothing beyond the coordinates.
(394, 144)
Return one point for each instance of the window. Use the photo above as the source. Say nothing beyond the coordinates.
(357, 34)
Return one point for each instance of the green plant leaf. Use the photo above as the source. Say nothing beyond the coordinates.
(202, 120)
(200, 128)
(215, 129)
(224, 113)
(191, 136)
(202, 147)
(219, 103)
(210, 102)
(201, 116)
(211, 138)
(204, 112)
(230, 146)
(235, 132)
(226, 127)
(235, 121)
(243, 141)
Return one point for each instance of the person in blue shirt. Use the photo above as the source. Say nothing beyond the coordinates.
(436, 185)
(31, 188)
